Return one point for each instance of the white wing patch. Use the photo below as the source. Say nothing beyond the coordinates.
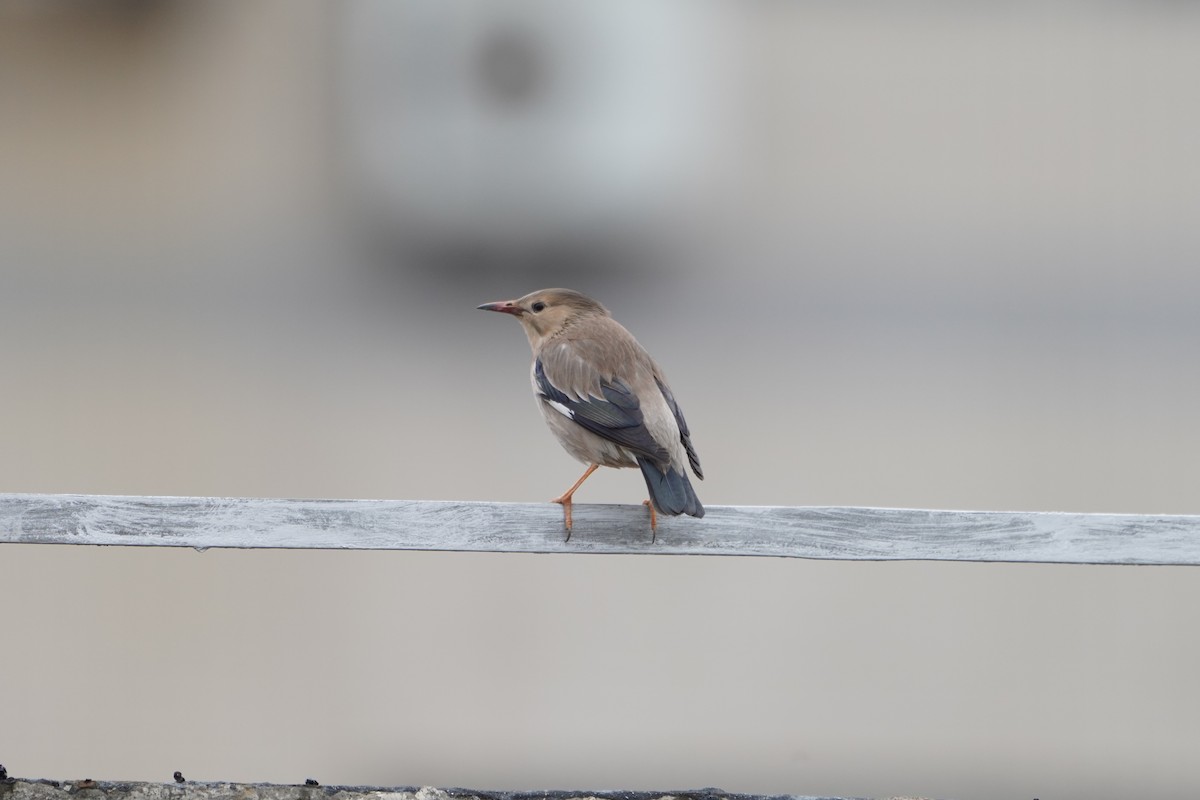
(560, 408)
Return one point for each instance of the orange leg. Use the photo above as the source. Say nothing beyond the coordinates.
(653, 520)
(564, 499)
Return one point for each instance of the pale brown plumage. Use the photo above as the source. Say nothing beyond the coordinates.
(604, 398)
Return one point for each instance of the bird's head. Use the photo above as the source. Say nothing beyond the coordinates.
(546, 312)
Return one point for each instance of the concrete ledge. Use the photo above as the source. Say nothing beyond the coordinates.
(87, 789)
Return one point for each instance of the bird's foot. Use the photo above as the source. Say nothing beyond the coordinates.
(653, 521)
(564, 499)
(565, 502)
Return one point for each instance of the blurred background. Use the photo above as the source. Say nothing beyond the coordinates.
(926, 254)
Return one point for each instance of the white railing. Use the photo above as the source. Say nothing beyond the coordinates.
(863, 534)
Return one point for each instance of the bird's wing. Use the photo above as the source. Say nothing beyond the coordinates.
(569, 381)
(685, 435)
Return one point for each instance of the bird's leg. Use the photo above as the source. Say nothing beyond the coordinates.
(653, 521)
(564, 499)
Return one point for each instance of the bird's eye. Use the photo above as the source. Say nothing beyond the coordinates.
(538, 306)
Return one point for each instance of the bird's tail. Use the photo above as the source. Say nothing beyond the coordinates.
(670, 491)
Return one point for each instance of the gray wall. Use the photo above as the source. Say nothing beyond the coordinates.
(938, 256)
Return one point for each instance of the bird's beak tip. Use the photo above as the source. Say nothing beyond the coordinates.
(503, 306)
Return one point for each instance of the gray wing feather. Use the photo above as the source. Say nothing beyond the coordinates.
(684, 434)
(604, 405)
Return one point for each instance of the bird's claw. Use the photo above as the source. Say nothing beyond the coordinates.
(653, 521)
(564, 499)
(565, 502)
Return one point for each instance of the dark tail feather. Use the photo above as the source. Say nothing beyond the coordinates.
(671, 491)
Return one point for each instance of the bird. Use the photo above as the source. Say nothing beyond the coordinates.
(605, 399)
